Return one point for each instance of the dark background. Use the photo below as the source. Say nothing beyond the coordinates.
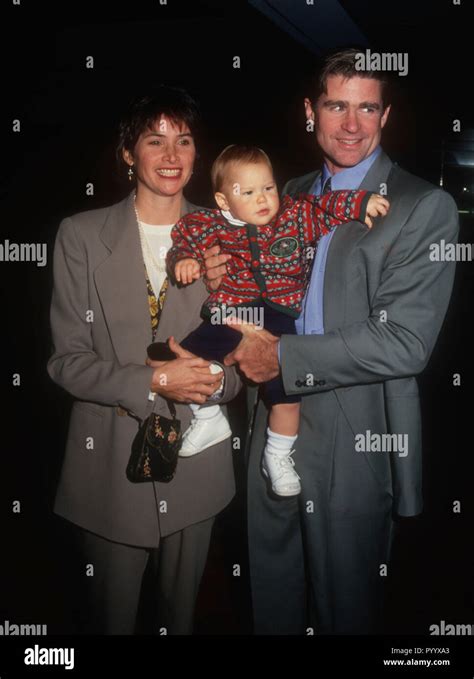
(68, 118)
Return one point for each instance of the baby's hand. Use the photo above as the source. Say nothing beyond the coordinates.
(187, 270)
(377, 205)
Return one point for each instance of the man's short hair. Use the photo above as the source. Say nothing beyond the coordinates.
(235, 153)
(343, 62)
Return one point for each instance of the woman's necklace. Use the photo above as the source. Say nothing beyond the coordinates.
(147, 251)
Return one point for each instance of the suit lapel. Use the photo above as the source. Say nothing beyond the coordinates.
(121, 284)
(303, 184)
(342, 243)
(181, 310)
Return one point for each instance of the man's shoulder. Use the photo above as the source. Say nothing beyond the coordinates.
(413, 187)
(301, 184)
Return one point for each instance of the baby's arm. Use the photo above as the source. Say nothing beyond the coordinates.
(189, 242)
(377, 205)
(187, 270)
(340, 207)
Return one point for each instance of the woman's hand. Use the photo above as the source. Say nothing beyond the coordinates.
(185, 380)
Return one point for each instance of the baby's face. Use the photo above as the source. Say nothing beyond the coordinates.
(251, 193)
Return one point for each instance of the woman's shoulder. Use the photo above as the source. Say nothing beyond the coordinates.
(87, 226)
(97, 216)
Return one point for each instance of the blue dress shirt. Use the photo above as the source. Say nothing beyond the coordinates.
(311, 319)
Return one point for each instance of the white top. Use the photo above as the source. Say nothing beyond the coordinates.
(157, 243)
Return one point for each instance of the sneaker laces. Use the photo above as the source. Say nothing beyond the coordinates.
(286, 462)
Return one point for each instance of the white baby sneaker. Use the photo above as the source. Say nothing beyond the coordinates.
(283, 477)
(204, 433)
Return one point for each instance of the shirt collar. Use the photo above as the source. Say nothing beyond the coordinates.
(230, 218)
(351, 177)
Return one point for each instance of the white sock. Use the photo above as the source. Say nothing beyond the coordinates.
(204, 412)
(279, 444)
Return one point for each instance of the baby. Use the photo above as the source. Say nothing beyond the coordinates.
(272, 245)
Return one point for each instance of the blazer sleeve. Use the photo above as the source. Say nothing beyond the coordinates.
(413, 292)
(74, 364)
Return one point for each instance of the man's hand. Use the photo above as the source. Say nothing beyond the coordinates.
(377, 205)
(257, 353)
(187, 270)
(215, 266)
(186, 380)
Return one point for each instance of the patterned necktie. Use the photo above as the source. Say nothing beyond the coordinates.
(327, 185)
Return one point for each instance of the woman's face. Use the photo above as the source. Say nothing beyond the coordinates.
(163, 157)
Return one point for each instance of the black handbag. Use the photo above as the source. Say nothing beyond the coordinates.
(155, 449)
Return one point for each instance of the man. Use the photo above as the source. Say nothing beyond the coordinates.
(373, 311)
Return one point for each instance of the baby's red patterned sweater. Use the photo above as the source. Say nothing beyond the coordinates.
(270, 264)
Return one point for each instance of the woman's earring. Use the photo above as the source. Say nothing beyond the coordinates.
(130, 173)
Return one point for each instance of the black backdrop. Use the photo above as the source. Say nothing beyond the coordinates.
(68, 116)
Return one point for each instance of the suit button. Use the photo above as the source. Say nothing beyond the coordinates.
(121, 411)
(299, 383)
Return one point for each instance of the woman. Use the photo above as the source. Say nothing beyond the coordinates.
(110, 287)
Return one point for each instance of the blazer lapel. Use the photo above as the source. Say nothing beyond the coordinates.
(181, 310)
(305, 183)
(121, 284)
(342, 243)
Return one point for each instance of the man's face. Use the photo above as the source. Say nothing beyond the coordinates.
(348, 120)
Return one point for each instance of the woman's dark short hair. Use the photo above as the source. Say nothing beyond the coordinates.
(172, 102)
(343, 62)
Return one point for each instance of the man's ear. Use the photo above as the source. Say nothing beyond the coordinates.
(221, 200)
(308, 108)
(384, 117)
